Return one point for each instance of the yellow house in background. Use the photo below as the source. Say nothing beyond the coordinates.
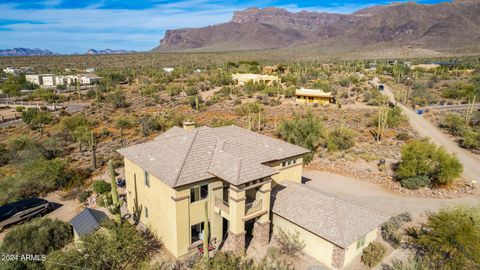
(305, 96)
(228, 174)
(242, 79)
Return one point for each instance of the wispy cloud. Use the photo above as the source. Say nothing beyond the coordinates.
(75, 26)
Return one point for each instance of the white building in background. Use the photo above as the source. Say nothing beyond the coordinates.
(10, 70)
(51, 80)
(168, 69)
(90, 70)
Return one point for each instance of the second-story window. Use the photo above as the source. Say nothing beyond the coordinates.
(198, 193)
(147, 179)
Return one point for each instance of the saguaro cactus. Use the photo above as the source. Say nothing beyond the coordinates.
(116, 204)
(93, 146)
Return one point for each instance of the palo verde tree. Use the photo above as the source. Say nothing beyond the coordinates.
(305, 130)
(450, 239)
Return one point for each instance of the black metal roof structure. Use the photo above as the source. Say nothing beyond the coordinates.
(87, 221)
(11, 209)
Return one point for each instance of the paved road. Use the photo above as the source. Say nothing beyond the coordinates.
(373, 197)
(470, 161)
(451, 107)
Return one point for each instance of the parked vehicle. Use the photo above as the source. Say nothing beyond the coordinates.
(121, 182)
(381, 87)
(22, 210)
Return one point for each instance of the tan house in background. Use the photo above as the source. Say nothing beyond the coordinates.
(230, 171)
(305, 96)
(269, 69)
(242, 79)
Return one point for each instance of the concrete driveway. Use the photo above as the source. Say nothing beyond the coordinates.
(373, 197)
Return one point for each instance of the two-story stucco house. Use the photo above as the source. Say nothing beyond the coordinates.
(232, 170)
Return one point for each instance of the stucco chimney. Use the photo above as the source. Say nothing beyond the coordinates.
(188, 125)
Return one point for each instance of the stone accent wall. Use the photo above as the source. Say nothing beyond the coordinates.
(235, 243)
(338, 257)
(261, 233)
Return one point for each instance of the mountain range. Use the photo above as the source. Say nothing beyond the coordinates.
(41, 52)
(25, 52)
(448, 26)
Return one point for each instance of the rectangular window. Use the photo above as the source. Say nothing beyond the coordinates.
(147, 179)
(361, 242)
(197, 232)
(198, 193)
(146, 212)
(284, 164)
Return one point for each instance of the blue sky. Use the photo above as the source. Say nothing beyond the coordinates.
(68, 26)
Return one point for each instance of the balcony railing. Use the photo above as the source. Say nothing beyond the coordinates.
(222, 205)
(253, 207)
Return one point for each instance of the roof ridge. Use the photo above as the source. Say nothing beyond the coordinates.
(337, 221)
(239, 168)
(213, 155)
(186, 156)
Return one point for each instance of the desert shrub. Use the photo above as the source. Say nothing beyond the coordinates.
(289, 243)
(394, 118)
(341, 138)
(454, 123)
(415, 182)
(290, 91)
(40, 236)
(101, 187)
(305, 130)
(471, 139)
(403, 136)
(19, 109)
(410, 264)
(118, 99)
(450, 239)
(118, 247)
(228, 260)
(245, 108)
(34, 117)
(373, 254)
(390, 230)
(423, 158)
(83, 195)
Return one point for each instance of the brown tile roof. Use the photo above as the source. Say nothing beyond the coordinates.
(333, 219)
(180, 157)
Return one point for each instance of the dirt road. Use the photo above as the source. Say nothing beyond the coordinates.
(373, 197)
(470, 161)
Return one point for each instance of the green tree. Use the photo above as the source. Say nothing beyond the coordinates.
(38, 237)
(450, 239)
(454, 123)
(305, 130)
(341, 138)
(118, 99)
(118, 247)
(423, 158)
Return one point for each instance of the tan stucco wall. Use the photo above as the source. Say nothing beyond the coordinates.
(319, 100)
(315, 246)
(157, 198)
(170, 213)
(351, 251)
(291, 173)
